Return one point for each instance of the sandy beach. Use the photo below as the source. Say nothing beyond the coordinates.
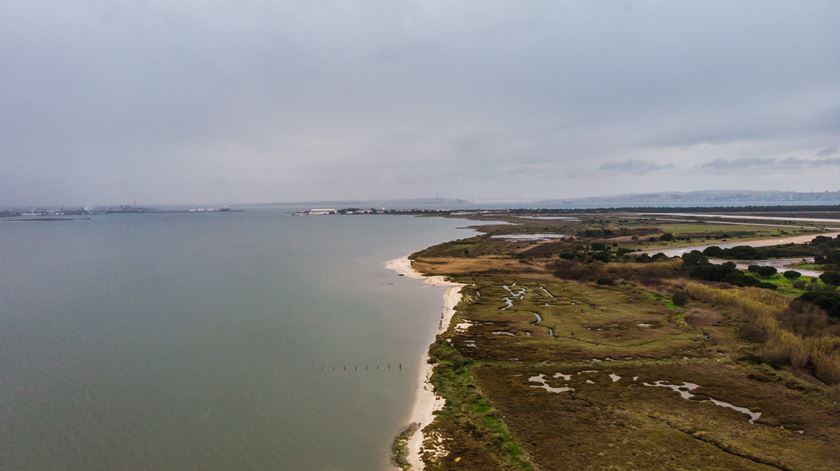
(425, 401)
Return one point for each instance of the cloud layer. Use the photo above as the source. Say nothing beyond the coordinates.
(243, 101)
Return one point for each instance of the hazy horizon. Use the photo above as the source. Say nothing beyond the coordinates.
(186, 102)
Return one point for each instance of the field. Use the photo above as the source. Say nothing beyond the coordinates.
(561, 357)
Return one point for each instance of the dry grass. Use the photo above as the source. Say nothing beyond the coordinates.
(760, 310)
(455, 266)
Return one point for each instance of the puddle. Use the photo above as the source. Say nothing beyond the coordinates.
(463, 326)
(503, 332)
(548, 293)
(537, 319)
(543, 384)
(753, 415)
(614, 377)
(685, 389)
(644, 325)
(518, 294)
(561, 375)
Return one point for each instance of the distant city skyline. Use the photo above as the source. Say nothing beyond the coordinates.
(187, 102)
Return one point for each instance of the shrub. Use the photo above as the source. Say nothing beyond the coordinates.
(713, 251)
(659, 256)
(605, 280)
(826, 366)
(744, 252)
(792, 274)
(680, 298)
(763, 271)
(831, 278)
(569, 270)
(799, 284)
(601, 256)
(667, 237)
(785, 348)
(694, 258)
(834, 393)
(710, 272)
(826, 298)
(807, 319)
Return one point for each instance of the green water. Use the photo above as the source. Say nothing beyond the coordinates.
(208, 341)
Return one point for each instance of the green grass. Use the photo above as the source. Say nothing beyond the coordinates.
(399, 449)
(808, 266)
(785, 286)
(467, 408)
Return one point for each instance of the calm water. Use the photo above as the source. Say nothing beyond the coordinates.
(208, 341)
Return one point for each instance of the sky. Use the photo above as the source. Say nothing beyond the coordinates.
(246, 101)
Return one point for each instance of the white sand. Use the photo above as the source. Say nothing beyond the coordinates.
(425, 400)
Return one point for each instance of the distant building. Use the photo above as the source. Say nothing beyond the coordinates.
(322, 211)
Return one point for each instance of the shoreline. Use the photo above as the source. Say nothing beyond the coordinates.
(425, 401)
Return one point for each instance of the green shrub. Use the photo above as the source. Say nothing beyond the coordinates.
(680, 298)
(763, 271)
(826, 298)
(792, 274)
(831, 278)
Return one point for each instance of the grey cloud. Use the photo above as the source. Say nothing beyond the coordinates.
(826, 151)
(727, 164)
(185, 101)
(768, 164)
(632, 166)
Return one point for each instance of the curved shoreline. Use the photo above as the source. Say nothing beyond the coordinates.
(426, 402)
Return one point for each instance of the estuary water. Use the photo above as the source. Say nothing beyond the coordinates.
(210, 340)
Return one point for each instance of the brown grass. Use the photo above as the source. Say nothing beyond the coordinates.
(760, 310)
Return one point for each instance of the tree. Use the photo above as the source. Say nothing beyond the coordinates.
(659, 256)
(763, 271)
(680, 298)
(694, 258)
(791, 274)
(667, 237)
(831, 278)
(826, 298)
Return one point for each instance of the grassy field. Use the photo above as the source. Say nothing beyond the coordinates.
(578, 365)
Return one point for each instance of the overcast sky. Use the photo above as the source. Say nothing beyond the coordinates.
(212, 101)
